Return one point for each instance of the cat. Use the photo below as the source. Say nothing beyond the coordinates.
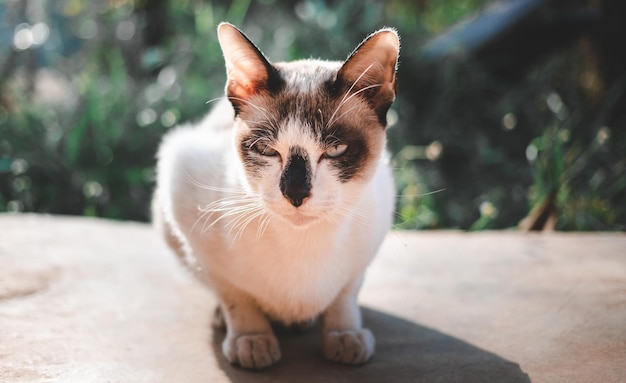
(280, 198)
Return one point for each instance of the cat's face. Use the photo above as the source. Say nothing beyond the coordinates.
(309, 133)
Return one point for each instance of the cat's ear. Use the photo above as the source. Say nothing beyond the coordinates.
(247, 69)
(371, 70)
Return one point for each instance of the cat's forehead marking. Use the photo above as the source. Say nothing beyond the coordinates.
(310, 99)
(306, 76)
(295, 132)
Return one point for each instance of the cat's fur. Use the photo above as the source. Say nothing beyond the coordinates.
(280, 198)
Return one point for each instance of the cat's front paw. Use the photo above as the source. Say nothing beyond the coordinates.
(348, 346)
(252, 350)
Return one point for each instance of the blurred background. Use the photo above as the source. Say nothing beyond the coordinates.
(510, 113)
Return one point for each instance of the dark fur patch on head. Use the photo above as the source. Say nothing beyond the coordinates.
(305, 98)
(355, 157)
(253, 162)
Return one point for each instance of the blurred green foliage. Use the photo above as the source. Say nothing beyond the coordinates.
(85, 101)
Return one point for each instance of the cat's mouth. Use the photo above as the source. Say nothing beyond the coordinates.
(300, 219)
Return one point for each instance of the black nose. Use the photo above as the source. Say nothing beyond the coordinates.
(295, 183)
(296, 196)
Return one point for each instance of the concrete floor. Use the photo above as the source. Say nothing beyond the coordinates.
(87, 300)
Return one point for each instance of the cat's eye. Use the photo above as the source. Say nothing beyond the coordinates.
(264, 149)
(336, 150)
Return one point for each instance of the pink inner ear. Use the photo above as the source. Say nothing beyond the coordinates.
(243, 82)
(245, 65)
(379, 53)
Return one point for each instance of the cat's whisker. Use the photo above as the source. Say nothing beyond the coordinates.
(358, 214)
(213, 188)
(421, 194)
(241, 222)
(226, 204)
(216, 99)
(263, 226)
(236, 211)
(254, 216)
(345, 96)
(356, 82)
(331, 140)
(199, 219)
(226, 212)
(258, 140)
(332, 119)
(260, 109)
(349, 206)
(346, 112)
(227, 207)
(221, 207)
(240, 214)
(220, 218)
(261, 126)
(321, 117)
(361, 91)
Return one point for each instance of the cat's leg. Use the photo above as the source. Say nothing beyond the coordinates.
(162, 225)
(249, 342)
(218, 322)
(344, 339)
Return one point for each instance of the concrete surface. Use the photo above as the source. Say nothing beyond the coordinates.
(87, 300)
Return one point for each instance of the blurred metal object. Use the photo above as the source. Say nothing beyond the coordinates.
(510, 35)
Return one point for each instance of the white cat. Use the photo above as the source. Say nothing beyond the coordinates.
(280, 198)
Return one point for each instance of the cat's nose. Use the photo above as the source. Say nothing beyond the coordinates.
(295, 183)
(296, 196)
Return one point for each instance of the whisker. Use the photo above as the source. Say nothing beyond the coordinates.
(222, 217)
(331, 140)
(240, 213)
(356, 82)
(343, 100)
(216, 99)
(201, 185)
(228, 207)
(358, 214)
(263, 226)
(321, 117)
(260, 109)
(200, 218)
(421, 194)
(254, 216)
(261, 126)
(332, 119)
(242, 221)
(258, 140)
(226, 203)
(219, 205)
(344, 113)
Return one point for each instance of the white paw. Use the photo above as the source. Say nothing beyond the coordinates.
(348, 346)
(252, 351)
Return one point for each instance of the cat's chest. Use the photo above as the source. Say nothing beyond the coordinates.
(293, 278)
(290, 261)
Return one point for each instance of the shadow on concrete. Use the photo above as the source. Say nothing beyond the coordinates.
(405, 352)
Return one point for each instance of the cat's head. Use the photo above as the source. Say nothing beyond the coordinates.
(310, 133)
